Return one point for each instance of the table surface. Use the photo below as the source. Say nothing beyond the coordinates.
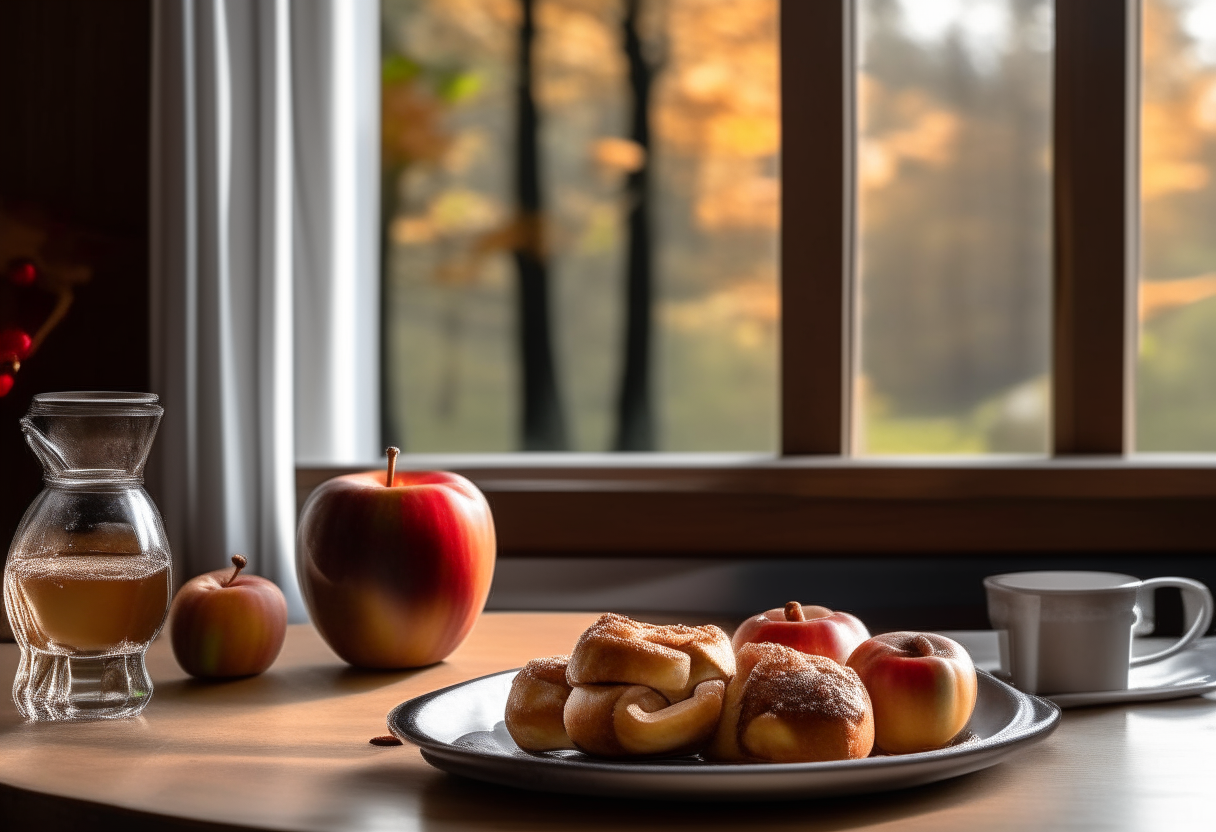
(289, 750)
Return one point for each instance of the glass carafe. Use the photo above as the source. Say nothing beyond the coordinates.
(87, 583)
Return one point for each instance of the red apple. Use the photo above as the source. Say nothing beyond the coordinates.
(811, 629)
(225, 624)
(396, 569)
(922, 686)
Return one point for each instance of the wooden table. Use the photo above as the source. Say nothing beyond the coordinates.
(289, 750)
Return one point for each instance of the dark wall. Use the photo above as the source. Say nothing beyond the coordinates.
(74, 125)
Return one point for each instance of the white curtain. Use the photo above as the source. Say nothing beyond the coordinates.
(264, 275)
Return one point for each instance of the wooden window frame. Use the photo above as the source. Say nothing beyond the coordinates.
(814, 498)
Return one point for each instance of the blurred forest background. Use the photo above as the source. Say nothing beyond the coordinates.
(580, 225)
(1176, 378)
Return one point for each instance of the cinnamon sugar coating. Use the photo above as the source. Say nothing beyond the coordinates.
(672, 659)
(536, 704)
(550, 669)
(786, 706)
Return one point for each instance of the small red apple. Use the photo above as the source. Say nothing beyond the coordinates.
(811, 629)
(922, 686)
(224, 624)
(395, 570)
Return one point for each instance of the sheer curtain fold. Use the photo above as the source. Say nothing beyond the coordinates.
(231, 269)
(335, 67)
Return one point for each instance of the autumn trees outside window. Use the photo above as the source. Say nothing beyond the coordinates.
(954, 239)
(581, 224)
(1176, 368)
(957, 190)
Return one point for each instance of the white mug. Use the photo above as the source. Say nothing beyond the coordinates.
(1071, 632)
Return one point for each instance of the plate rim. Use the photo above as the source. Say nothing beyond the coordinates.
(402, 727)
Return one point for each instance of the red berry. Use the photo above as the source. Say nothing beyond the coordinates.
(14, 344)
(22, 271)
(6, 383)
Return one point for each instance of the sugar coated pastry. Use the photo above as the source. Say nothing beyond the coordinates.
(784, 706)
(638, 721)
(536, 703)
(672, 659)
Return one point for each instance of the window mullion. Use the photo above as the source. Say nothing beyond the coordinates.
(1096, 196)
(817, 225)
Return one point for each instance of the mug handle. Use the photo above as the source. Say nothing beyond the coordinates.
(1193, 594)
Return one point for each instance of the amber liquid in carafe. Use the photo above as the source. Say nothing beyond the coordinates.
(88, 578)
(91, 603)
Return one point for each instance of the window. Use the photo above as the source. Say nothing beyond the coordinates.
(583, 248)
(1175, 372)
(954, 232)
(815, 496)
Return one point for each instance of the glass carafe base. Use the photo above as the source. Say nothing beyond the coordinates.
(51, 686)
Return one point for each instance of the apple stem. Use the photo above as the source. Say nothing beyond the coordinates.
(391, 451)
(793, 612)
(922, 645)
(240, 562)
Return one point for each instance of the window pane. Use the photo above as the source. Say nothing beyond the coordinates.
(478, 239)
(1176, 379)
(954, 179)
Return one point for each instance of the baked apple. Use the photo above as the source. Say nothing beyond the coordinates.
(922, 687)
(811, 629)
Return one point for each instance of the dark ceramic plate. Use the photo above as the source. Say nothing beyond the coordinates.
(461, 731)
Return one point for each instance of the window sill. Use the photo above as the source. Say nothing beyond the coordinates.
(755, 506)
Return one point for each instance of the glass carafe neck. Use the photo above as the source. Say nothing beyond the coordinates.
(92, 439)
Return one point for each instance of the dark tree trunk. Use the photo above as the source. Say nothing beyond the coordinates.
(392, 421)
(635, 405)
(544, 427)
